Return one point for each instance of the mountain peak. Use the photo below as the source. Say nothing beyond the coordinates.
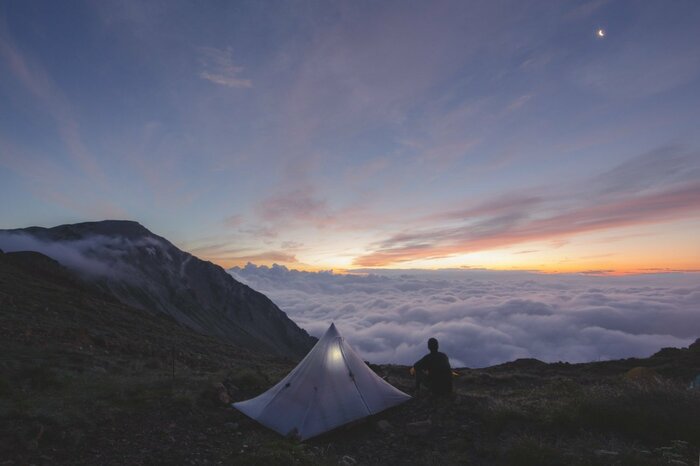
(124, 228)
(146, 271)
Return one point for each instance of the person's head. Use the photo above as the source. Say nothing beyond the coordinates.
(433, 345)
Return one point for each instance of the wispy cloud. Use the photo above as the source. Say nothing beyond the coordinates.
(34, 78)
(300, 204)
(48, 180)
(266, 257)
(233, 221)
(219, 68)
(497, 232)
(624, 196)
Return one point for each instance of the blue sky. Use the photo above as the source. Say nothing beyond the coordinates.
(356, 134)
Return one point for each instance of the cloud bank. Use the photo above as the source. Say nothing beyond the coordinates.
(487, 317)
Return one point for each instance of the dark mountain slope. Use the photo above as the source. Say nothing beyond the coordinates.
(47, 313)
(148, 272)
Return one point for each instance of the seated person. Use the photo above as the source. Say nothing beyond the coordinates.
(434, 371)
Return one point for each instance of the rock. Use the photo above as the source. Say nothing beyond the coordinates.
(231, 425)
(222, 394)
(384, 426)
(347, 461)
(425, 423)
(419, 427)
(231, 388)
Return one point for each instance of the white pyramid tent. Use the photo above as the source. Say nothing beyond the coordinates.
(330, 387)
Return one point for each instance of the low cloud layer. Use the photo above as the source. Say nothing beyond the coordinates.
(488, 317)
(95, 256)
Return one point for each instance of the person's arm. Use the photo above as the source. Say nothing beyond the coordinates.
(417, 369)
(420, 364)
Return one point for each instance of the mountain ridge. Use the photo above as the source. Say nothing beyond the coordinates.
(146, 271)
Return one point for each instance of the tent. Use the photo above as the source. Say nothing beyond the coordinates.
(330, 387)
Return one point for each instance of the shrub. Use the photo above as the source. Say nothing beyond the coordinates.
(248, 379)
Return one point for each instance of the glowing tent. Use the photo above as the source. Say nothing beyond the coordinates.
(330, 387)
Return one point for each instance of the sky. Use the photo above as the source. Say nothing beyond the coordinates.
(362, 135)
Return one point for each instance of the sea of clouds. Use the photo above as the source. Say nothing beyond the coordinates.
(486, 317)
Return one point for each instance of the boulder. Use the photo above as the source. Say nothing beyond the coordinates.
(384, 426)
(419, 427)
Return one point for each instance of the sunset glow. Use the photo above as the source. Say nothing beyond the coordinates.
(352, 136)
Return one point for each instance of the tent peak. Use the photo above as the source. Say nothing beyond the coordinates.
(332, 332)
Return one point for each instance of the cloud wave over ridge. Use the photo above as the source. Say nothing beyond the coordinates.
(486, 317)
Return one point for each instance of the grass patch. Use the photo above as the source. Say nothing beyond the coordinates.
(277, 453)
(83, 398)
(39, 378)
(5, 388)
(499, 414)
(249, 380)
(650, 413)
(530, 451)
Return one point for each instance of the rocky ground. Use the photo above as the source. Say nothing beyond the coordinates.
(86, 380)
